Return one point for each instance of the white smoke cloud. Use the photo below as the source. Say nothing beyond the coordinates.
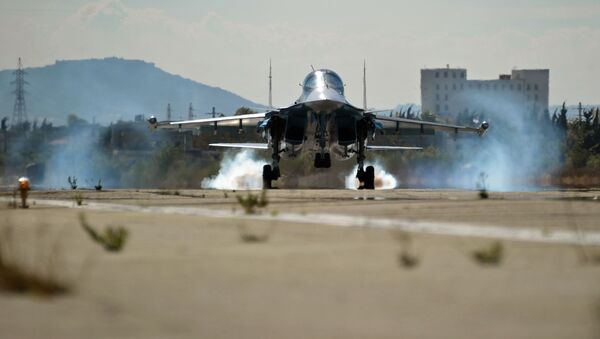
(519, 148)
(383, 179)
(239, 171)
(79, 157)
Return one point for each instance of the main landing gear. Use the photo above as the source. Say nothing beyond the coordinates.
(366, 178)
(269, 174)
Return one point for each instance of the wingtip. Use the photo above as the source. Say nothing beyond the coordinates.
(483, 128)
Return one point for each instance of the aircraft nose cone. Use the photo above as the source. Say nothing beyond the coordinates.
(325, 94)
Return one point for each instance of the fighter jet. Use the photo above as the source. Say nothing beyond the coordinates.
(321, 121)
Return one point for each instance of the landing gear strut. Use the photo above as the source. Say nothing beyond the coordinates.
(271, 172)
(366, 177)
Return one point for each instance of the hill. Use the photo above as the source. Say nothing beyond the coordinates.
(110, 89)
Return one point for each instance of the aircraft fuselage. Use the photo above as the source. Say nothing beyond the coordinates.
(322, 120)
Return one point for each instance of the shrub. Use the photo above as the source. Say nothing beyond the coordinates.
(491, 255)
(249, 236)
(253, 201)
(15, 277)
(406, 257)
(113, 238)
(78, 197)
(482, 186)
(72, 182)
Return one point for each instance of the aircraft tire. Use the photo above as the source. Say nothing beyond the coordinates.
(326, 160)
(267, 176)
(369, 178)
(318, 160)
(275, 174)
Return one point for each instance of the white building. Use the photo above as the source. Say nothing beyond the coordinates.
(447, 91)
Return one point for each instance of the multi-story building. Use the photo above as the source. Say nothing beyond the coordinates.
(447, 91)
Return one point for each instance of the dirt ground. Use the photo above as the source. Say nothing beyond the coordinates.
(189, 276)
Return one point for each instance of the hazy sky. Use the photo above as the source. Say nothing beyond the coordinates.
(229, 43)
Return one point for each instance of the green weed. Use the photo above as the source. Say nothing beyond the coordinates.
(491, 255)
(113, 238)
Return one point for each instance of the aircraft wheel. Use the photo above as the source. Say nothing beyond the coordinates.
(369, 178)
(318, 160)
(326, 160)
(267, 176)
(360, 175)
(275, 174)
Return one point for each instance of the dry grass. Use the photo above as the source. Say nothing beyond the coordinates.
(78, 198)
(482, 186)
(253, 235)
(41, 277)
(167, 192)
(13, 203)
(113, 238)
(407, 257)
(251, 202)
(491, 255)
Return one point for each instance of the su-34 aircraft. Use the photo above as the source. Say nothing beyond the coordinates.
(320, 121)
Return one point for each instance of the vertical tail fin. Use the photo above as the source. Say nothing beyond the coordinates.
(270, 86)
(365, 85)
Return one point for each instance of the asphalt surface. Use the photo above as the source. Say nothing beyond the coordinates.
(312, 263)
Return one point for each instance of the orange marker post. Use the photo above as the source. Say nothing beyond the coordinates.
(24, 189)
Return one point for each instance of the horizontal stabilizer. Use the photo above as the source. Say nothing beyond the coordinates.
(241, 145)
(393, 148)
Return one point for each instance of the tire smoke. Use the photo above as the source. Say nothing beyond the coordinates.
(383, 179)
(241, 170)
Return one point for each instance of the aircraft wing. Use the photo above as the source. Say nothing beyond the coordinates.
(241, 145)
(393, 148)
(403, 122)
(234, 120)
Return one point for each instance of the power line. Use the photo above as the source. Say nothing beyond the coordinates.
(20, 108)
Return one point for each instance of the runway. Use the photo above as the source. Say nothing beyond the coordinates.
(514, 232)
(329, 266)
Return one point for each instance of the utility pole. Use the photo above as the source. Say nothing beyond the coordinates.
(214, 115)
(190, 112)
(270, 86)
(4, 129)
(19, 109)
(168, 112)
(365, 85)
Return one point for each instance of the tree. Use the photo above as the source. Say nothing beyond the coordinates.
(427, 116)
(75, 121)
(561, 120)
(243, 111)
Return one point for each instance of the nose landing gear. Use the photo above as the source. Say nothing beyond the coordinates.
(366, 178)
(322, 160)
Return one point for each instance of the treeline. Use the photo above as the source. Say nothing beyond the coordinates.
(127, 154)
(582, 139)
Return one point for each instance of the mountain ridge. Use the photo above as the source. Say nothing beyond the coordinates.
(111, 89)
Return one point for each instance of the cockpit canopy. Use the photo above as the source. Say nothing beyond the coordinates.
(323, 78)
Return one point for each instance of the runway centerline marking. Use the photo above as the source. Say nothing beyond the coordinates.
(562, 236)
